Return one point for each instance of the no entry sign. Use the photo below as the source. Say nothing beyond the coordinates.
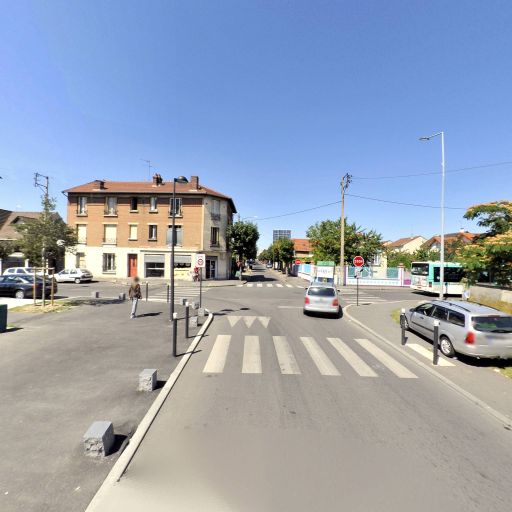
(358, 261)
(200, 260)
(298, 262)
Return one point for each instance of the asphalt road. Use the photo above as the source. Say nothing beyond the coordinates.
(282, 412)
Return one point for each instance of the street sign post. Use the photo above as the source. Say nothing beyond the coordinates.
(200, 264)
(358, 261)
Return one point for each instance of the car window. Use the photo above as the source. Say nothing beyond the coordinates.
(73, 271)
(425, 309)
(20, 271)
(440, 313)
(64, 272)
(322, 292)
(493, 323)
(456, 318)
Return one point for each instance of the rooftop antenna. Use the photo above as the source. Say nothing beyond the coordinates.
(149, 167)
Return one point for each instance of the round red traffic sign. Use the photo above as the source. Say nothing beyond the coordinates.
(358, 261)
(200, 262)
(298, 262)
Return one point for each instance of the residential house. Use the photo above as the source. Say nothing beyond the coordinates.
(450, 239)
(302, 249)
(124, 228)
(408, 244)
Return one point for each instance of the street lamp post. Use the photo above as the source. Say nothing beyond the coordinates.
(441, 270)
(179, 179)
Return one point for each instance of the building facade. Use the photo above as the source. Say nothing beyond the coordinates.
(124, 228)
(302, 249)
(278, 234)
(408, 244)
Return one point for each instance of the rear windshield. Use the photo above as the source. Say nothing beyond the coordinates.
(493, 323)
(322, 292)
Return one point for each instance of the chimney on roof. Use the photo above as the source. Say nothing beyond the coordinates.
(194, 182)
(157, 180)
(99, 184)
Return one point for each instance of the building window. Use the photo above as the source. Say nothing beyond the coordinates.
(153, 204)
(377, 260)
(111, 205)
(109, 262)
(81, 205)
(214, 236)
(152, 235)
(80, 260)
(134, 204)
(109, 233)
(178, 235)
(154, 265)
(216, 209)
(132, 235)
(177, 206)
(81, 233)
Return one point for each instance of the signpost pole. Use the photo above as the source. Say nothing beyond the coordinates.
(357, 289)
(201, 287)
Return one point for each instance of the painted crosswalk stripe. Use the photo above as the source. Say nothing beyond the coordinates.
(252, 356)
(218, 355)
(239, 285)
(298, 286)
(322, 362)
(279, 285)
(391, 364)
(269, 285)
(289, 286)
(250, 285)
(259, 285)
(285, 357)
(363, 369)
(427, 354)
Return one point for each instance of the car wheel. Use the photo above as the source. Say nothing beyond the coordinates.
(446, 346)
(77, 280)
(19, 294)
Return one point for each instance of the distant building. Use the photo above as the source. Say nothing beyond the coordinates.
(408, 244)
(302, 249)
(434, 243)
(279, 234)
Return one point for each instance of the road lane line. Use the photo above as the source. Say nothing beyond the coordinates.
(427, 354)
(252, 356)
(362, 369)
(391, 364)
(285, 357)
(322, 362)
(218, 355)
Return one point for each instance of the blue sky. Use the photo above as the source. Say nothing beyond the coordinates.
(267, 101)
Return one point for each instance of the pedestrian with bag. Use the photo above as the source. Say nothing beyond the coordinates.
(134, 294)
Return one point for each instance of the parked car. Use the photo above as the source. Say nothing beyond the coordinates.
(269, 265)
(20, 271)
(322, 298)
(73, 275)
(464, 328)
(22, 287)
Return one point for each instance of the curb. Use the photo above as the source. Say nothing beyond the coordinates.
(127, 455)
(502, 418)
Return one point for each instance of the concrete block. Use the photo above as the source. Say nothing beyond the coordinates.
(122, 296)
(201, 312)
(99, 439)
(147, 379)
(193, 321)
(95, 295)
(194, 305)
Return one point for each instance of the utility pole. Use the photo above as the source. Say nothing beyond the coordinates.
(345, 182)
(43, 182)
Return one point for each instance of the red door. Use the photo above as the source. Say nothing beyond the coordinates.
(132, 265)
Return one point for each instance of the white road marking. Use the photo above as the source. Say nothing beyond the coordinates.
(239, 285)
(250, 285)
(391, 364)
(363, 369)
(252, 356)
(259, 285)
(298, 286)
(427, 354)
(249, 320)
(269, 285)
(289, 286)
(232, 319)
(218, 355)
(322, 362)
(279, 285)
(287, 362)
(290, 307)
(264, 320)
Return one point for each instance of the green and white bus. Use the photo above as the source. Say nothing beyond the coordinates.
(425, 276)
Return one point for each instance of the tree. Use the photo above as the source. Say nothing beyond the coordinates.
(285, 251)
(243, 237)
(325, 240)
(48, 232)
(492, 250)
(7, 247)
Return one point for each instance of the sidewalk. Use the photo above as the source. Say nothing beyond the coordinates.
(479, 377)
(59, 372)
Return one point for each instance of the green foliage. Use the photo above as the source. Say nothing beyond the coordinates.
(396, 258)
(284, 249)
(492, 250)
(265, 255)
(243, 237)
(44, 232)
(7, 247)
(325, 240)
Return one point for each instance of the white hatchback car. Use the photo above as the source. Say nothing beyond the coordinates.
(20, 271)
(73, 275)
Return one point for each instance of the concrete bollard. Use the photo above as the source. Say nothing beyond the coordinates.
(147, 379)
(95, 295)
(193, 321)
(183, 302)
(194, 305)
(201, 312)
(122, 296)
(99, 439)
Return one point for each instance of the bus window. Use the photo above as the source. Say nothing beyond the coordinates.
(419, 269)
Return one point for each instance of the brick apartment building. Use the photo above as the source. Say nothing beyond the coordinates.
(124, 228)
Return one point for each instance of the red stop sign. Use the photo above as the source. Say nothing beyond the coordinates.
(358, 261)
(298, 262)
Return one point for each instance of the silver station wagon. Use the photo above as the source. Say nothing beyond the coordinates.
(322, 298)
(464, 328)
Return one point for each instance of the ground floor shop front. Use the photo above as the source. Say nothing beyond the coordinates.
(119, 262)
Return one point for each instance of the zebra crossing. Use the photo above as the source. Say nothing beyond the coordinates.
(269, 285)
(252, 353)
(350, 297)
(182, 291)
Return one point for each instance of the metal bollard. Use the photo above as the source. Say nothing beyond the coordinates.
(187, 318)
(168, 289)
(147, 291)
(174, 333)
(436, 342)
(402, 325)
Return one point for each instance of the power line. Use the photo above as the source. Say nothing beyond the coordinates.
(432, 173)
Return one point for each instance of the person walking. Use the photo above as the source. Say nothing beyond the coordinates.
(135, 294)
